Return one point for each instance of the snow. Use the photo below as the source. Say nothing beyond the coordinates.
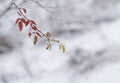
(112, 31)
(108, 74)
(89, 30)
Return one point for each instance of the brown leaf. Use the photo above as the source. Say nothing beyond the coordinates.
(48, 34)
(20, 25)
(29, 34)
(49, 47)
(38, 34)
(57, 41)
(35, 39)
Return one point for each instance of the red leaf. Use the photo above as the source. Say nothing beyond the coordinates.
(25, 11)
(29, 34)
(18, 13)
(35, 39)
(20, 25)
(18, 19)
(23, 20)
(33, 22)
(34, 28)
(26, 22)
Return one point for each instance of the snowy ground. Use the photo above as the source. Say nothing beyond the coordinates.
(89, 29)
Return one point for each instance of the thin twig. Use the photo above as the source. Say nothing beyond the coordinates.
(19, 9)
(47, 10)
(36, 2)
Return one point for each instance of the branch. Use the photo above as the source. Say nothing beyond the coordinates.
(9, 8)
(33, 29)
(47, 10)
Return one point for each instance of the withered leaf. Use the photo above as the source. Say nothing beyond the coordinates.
(62, 47)
(29, 34)
(48, 34)
(38, 34)
(35, 39)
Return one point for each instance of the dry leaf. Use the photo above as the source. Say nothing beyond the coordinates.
(49, 47)
(62, 47)
(29, 34)
(35, 39)
(48, 34)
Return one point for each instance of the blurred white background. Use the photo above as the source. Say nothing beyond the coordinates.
(90, 30)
